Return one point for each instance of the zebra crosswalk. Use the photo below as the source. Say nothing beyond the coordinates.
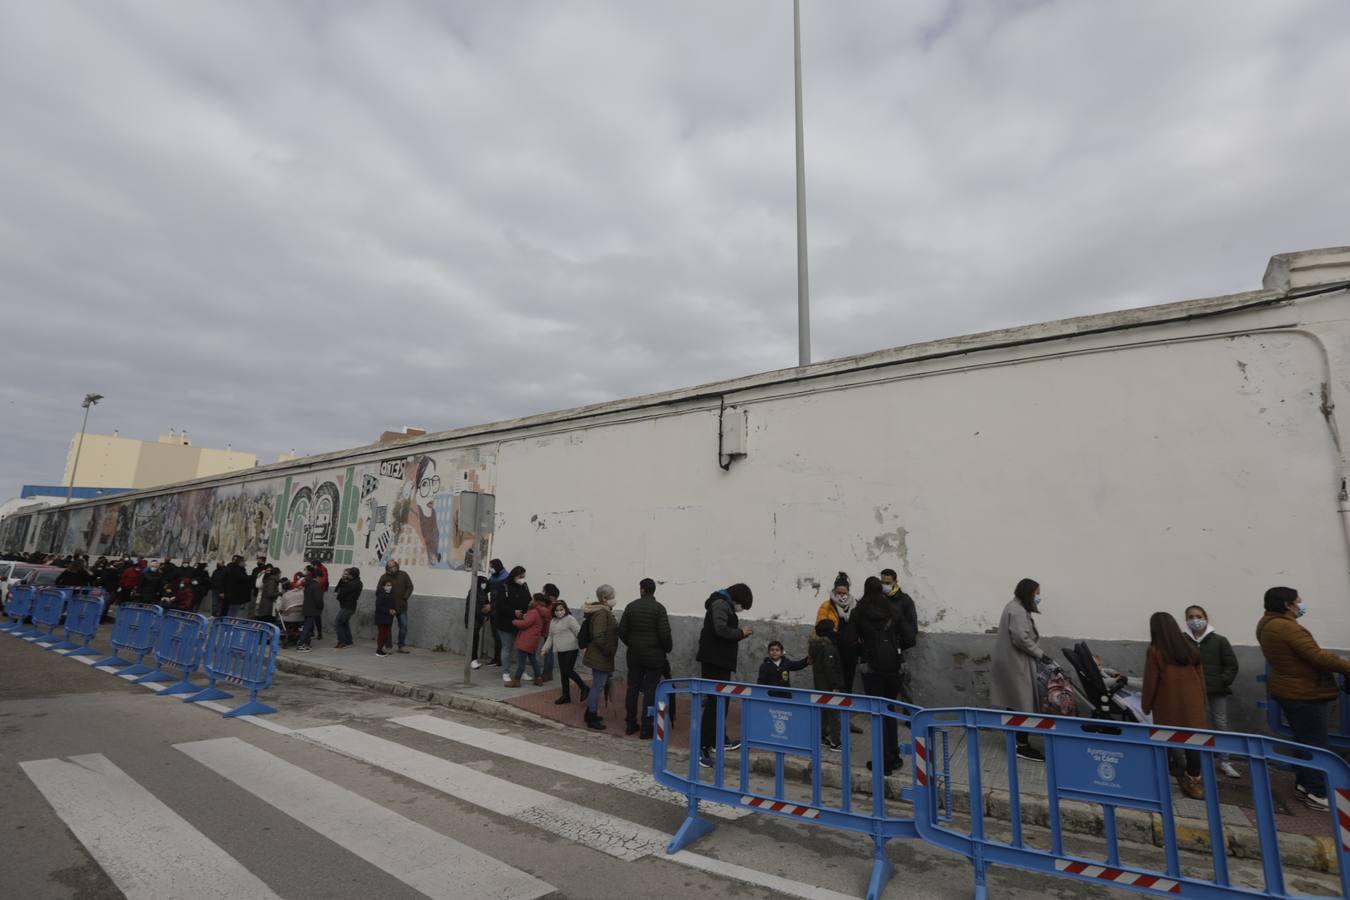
(149, 850)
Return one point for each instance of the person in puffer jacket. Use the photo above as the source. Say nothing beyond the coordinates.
(530, 630)
(645, 630)
(1302, 681)
(600, 650)
(827, 675)
(718, 644)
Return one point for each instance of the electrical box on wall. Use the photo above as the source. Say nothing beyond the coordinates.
(734, 429)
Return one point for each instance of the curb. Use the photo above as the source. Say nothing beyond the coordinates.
(1297, 851)
(451, 699)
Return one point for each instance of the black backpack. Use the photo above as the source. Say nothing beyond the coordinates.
(584, 635)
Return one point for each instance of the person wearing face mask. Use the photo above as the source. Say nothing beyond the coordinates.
(1017, 650)
(1221, 668)
(837, 609)
(531, 627)
(238, 587)
(1301, 680)
(562, 639)
(508, 604)
(600, 650)
(151, 584)
(907, 623)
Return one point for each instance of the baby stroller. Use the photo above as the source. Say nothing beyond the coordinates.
(291, 615)
(1106, 692)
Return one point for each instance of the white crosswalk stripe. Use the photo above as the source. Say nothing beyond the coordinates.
(597, 771)
(423, 859)
(147, 849)
(591, 828)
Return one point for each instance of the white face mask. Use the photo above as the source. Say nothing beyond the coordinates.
(1197, 624)
(520, 581)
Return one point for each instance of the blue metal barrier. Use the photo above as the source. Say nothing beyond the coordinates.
(19, 606)
(784, 721)
(240, 652)
(135, 630)
(84, 612)
(48, 610)
(1339, 735)
(1116, 765)
(181, 637)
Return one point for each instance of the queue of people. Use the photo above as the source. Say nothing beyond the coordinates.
(1188, 678)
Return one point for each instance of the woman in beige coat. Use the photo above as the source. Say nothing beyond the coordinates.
(1017, 650)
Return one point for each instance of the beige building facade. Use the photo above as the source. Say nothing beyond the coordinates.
(113, 461)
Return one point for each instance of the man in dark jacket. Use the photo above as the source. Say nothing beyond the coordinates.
(151, 584)
(496, 596)
(509, 602)
(907, 625)
(217, 583)
(349, 589)
(718, 643)
(201, 585)
(238, 587)
(402, 589)
(645, 631)
(313, 606)
(879, 630)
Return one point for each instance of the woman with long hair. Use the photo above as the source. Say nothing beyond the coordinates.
(1012, 678)
(1174, 691)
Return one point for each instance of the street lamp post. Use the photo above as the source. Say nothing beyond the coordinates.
(803, 281)
(89, 400)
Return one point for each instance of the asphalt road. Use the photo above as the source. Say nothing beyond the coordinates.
(110, 790)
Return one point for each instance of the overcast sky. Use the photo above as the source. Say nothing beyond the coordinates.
(298, 224)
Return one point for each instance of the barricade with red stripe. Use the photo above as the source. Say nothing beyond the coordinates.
(1115, 765)
(779, 723)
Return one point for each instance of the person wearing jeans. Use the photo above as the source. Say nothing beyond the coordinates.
(600, 651)
(510, 599)
(1221, 669)
(1302, 680)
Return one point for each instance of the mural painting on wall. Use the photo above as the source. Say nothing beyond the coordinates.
(241, 520)
(409, 509)
(405, 508)
(312, 520)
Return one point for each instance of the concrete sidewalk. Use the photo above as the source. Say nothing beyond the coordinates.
(426, 675)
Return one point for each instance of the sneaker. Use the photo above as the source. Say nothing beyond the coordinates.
(303, 648)
(506, 676)
(705, 760)
(1028, 752)
(1227, 769)
(381, 653)
(1311, 800)
(401, 650)
(562, 701)
(832, 746)
(731, 745)
(341, 646)
(475, 665)
(887, 771)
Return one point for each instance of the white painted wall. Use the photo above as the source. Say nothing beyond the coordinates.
(1129, 471)
(1125, 480)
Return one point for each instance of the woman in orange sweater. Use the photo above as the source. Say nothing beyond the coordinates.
(1174, 691)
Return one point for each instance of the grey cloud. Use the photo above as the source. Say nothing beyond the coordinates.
(295, 225)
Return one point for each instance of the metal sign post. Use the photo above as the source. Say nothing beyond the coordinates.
(480, 511)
